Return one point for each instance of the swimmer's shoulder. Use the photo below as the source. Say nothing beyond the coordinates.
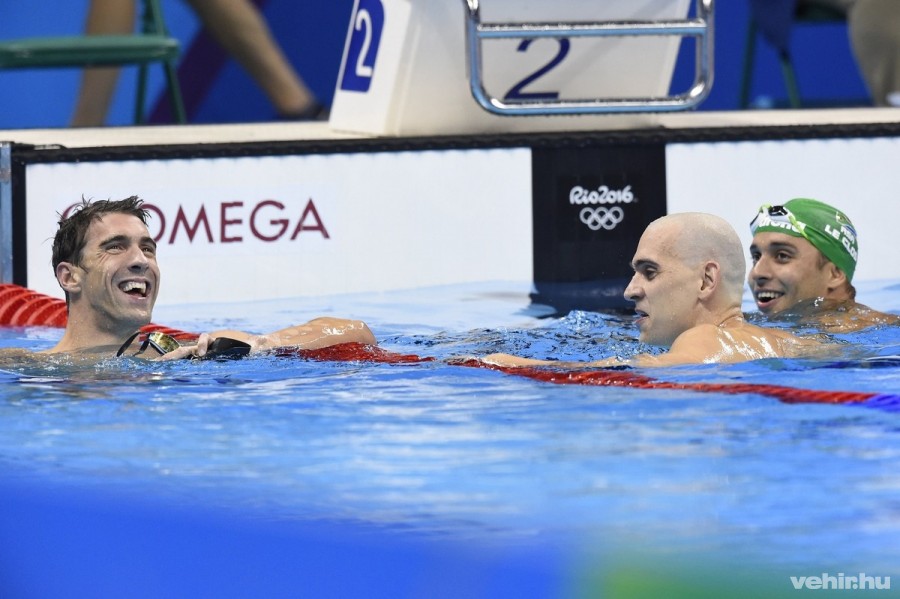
(705, 342)
(872, 317)
(12, 353)
(850, 317)
(756, 342)
(15, 356)
(12, 357)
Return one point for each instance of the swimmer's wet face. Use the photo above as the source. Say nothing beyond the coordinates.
(662, 286)
(117, 279)
(828, 229)
(801, 251)
(787, 270)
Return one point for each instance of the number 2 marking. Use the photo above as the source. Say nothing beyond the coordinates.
(364, 19)
(516, 93)
(361, 54)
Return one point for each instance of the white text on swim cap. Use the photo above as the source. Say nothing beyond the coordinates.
(766, 221)
(847, 239)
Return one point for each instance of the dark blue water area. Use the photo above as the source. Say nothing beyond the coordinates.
(291, 472)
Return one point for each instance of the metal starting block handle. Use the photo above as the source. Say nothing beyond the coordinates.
(700, 27)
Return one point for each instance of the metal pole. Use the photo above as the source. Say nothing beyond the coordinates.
(6, 226)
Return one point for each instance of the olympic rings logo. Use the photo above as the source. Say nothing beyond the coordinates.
(601, 217)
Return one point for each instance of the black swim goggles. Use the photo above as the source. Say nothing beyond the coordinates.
(220, 348)
(161, 342)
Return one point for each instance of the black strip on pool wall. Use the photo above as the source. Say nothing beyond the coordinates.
(43, 154)
(20, 225)
(590, 206)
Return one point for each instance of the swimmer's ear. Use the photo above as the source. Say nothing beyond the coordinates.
(836, 276)
(69, 277)
(710, 278)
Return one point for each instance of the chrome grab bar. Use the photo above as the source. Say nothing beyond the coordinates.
(700, 27)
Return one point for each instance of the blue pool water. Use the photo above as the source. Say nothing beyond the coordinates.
(565, 483)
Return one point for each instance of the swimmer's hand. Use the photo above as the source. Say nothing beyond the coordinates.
(315, 334)
(211, 346)
(189, 351)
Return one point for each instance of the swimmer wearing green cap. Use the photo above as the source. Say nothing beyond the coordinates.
(804, 256)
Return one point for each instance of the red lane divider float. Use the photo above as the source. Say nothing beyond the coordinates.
(22, 307)
(351, 352)
(622, 378)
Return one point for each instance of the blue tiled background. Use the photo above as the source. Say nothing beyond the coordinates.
(312, 35)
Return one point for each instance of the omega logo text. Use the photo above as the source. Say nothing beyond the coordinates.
(267, 220)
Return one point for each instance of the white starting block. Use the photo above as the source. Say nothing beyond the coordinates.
(428, 67)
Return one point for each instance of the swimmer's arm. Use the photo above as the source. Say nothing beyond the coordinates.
(319, 332)
(641, 360)
(510, 361)
(698, 345)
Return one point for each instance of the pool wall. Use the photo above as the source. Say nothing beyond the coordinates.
(346, 214)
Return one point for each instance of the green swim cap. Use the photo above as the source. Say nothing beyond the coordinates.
(826, 227)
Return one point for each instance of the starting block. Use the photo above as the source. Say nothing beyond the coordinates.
(429, 67)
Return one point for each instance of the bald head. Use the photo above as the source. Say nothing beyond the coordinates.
(696, 238)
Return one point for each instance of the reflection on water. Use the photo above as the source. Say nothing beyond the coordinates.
(443, 450)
